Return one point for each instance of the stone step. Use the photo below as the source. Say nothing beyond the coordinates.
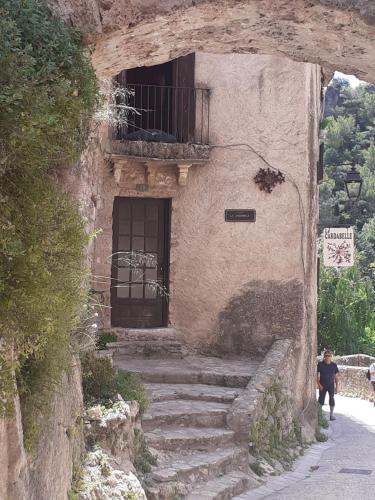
(185, 413)
(189, 438)
(190, 370)
(221, 488)
(200, 466)
(167, 392)
(147, 348)
(145, 334)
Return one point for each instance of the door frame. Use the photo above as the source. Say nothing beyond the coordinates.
(167, 213)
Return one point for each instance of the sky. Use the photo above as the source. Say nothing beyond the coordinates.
(353, 80)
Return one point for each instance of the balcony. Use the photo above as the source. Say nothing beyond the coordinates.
(165, 125)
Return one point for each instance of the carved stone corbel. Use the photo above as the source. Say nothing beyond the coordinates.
(183, 171)
(150, 171)
(117, 170)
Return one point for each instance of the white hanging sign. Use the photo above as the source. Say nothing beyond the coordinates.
(338, 247)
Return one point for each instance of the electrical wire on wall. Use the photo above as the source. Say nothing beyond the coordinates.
(301, 210)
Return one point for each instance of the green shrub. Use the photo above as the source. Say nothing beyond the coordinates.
(98, 379)
(131, 388)
(101, 383)
(48, 93)
(104, 338)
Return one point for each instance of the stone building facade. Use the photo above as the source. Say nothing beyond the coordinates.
(232, 287)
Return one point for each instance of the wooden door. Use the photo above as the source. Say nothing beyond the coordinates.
(140, 262)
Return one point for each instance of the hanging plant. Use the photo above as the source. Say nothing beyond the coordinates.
(267, 179)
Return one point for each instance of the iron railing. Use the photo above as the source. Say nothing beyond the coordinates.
(159, 113)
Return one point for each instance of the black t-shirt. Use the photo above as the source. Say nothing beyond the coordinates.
(327, 373)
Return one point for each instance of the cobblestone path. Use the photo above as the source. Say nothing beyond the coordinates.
(319, 473)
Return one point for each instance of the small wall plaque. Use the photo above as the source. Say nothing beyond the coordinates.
(141, 187)
(241, 215)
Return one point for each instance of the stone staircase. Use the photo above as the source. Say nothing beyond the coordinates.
(157, 342)
(198, 457)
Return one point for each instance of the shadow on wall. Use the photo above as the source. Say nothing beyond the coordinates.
(262, 311)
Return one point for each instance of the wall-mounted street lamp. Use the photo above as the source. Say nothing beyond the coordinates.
(353, 184)
(353, 181)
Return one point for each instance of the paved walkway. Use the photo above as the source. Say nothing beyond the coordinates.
(317, 474)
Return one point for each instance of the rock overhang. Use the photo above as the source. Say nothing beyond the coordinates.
(336, 34)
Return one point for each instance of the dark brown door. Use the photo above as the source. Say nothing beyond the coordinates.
(140, 262)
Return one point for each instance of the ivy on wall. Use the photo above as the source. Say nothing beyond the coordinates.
(48, 93)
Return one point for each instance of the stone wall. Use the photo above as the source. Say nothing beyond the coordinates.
(266, 411)
(355, 360)
(353, 382)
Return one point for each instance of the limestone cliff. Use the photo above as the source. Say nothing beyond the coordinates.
(46, 473)
(336, 34)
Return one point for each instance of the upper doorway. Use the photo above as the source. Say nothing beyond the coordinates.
(140, 262)
(164, 98)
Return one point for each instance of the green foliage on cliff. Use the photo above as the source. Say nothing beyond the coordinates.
(48, 92)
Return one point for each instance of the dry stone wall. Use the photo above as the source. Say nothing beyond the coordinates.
(353, 382)
(355, 360)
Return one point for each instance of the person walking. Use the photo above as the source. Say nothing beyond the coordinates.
(328, 381)
(372, 377)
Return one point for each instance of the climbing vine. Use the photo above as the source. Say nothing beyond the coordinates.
(48, 94)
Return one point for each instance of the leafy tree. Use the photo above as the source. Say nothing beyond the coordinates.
(346, 318)
(350, 139)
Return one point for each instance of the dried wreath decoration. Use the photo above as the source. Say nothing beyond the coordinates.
(267, 179)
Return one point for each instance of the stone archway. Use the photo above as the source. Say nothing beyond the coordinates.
(337, 34)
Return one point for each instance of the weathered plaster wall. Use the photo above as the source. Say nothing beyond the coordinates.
(337, 34)
(244, 282)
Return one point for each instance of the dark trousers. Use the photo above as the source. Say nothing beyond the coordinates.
(331, 392)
